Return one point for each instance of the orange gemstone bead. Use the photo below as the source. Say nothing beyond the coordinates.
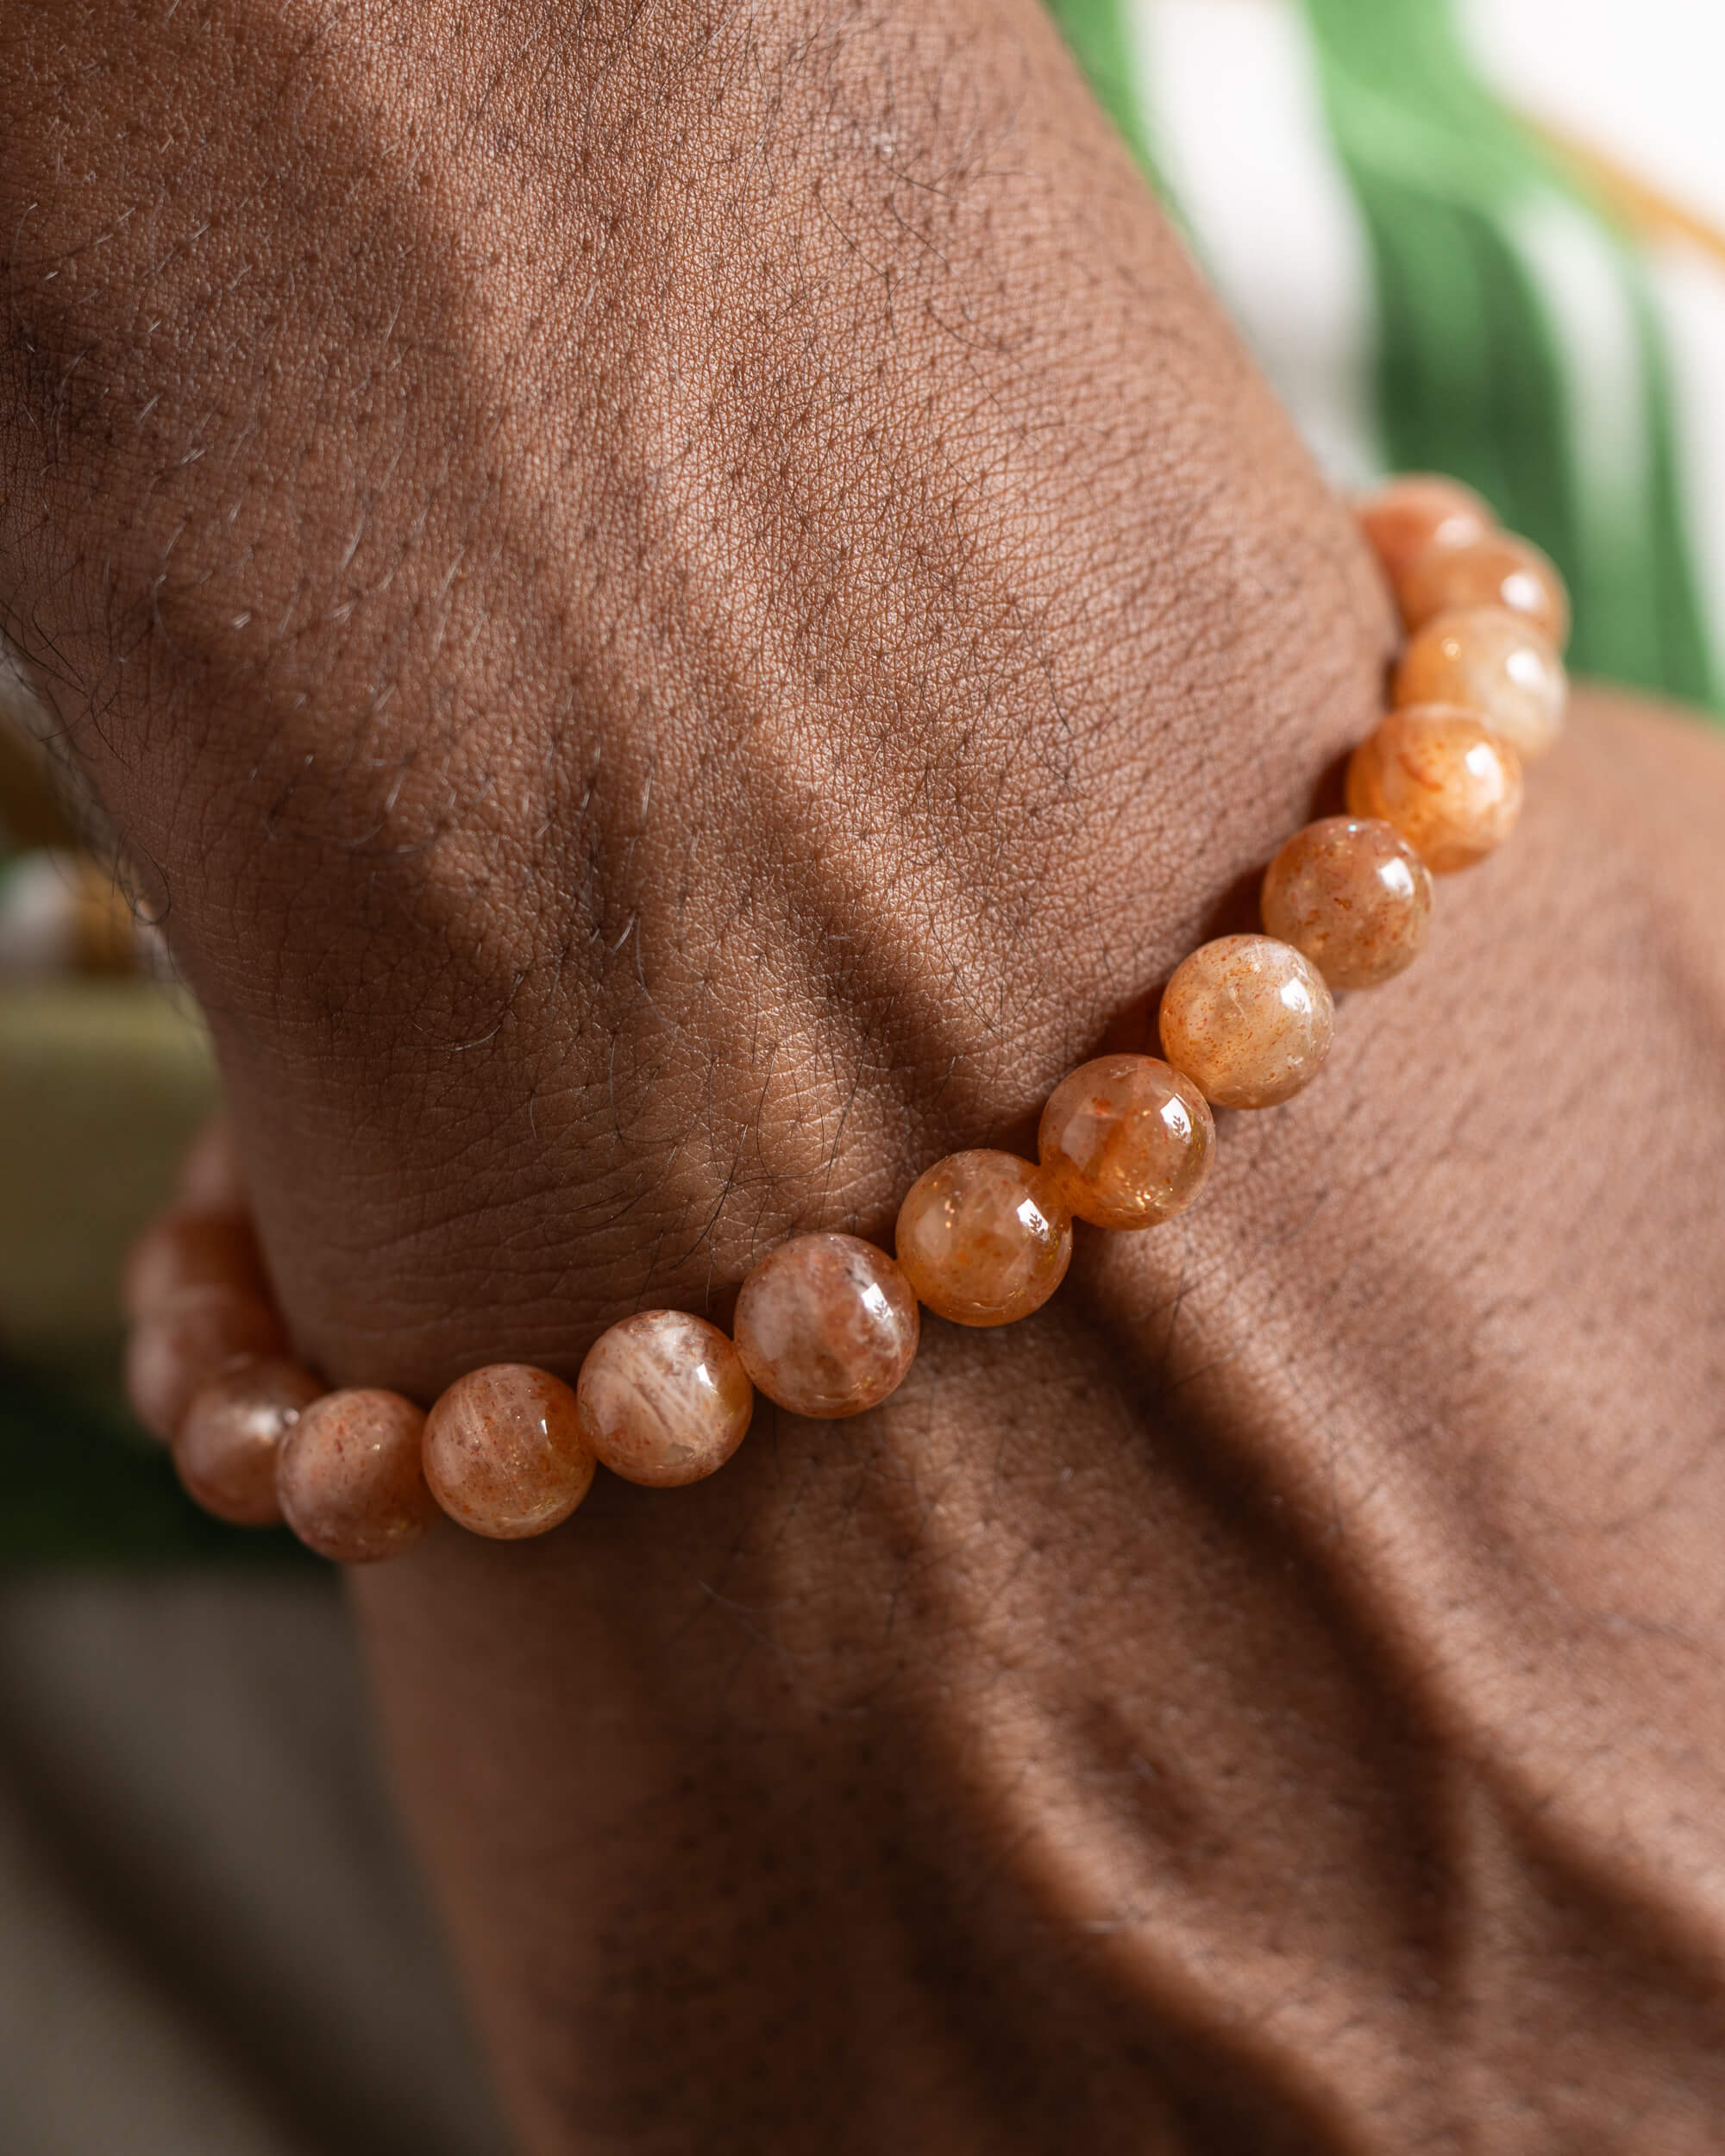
(1352, 894)
(827, 1326)
(982, 1238)
(190, 1250)
(1126, 1141)
(185, 1340)
(226, 1452)
(1405, 515)
(349, 1478)
(1451, 785)
(1495, 665)
(504, 1452)
(1496, 569)
(1248, 1019)
(664, 1399)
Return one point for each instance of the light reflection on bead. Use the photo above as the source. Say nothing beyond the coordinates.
(1408, 515)
(1126, 1141)
(349, 1478)
(1496, 570)
(1448, 784)
(1351, 894)
(504, 1453)
(982, 1238)
(827, 1326)
(1248, 1019)
(1494, 664)
(226, 1450)
(664, 1399)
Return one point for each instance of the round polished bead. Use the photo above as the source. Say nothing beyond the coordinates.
(1126, 1141)
(982, 1238)
(228, 1445)
(349, 1477)
(1352, 894)
(1405, 515)
(1496, 569)
(1495, 665)
(1448, 784)
(185, 1340)
(827, 1326)
(210, 1180)
(190, 1250)
(1248, 1019)
(664, 1399)
(504, 1452)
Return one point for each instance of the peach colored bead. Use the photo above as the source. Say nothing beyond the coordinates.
(504, 1452)
(1405, 515)
(226, 1452)
(1448, 784)
(827, 1326)
(190, 1250)
(1248, 1019)
(1496, 569)
(349, 1479)
(184, 1341)
(982, 1238)
(210, 1180)
(1126, 1141)
(1495, 665)
(664, 1399)
(1352, 894)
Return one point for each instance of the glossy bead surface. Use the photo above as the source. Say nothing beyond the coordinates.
(827, 1326)
(226, 1452)
(1496, 569)
(349, 1479)
(1449, 785)
(1126, 1141)
(982, 1238)
(1352, 894)
(504, 1453)
(1494, 664)
(664, 1399)
(185, 1340)
(1405, 516)
(190, 1250)
(1248, 1019)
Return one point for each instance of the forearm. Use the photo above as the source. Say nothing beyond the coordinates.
(706, 608)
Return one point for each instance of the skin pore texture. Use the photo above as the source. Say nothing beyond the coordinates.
(682, 608)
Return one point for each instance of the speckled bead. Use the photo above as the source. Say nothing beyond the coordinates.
(664, 1399)
(1352, 894)
(228, 1444)
(982, 1238)
(1248, 1019)
(504, 1452)
(1495, 570)
(1448, 784)
(185, 1340)
(349, 1478)
(1126, 1142)
(1405, 515)
(827, 1326)
(1495, 665)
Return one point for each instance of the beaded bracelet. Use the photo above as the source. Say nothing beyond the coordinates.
(827, 1324)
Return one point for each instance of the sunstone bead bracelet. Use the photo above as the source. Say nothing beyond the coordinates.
(827, 1324)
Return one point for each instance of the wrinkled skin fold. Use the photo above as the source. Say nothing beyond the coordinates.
(682, 608)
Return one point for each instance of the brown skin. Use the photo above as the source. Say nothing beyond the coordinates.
(684, 613)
